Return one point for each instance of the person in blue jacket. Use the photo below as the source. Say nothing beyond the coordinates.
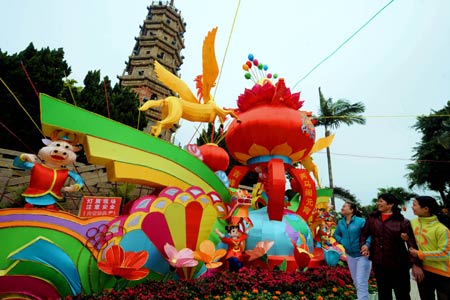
(347, 233)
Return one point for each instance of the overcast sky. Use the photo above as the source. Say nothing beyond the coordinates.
(398, 65)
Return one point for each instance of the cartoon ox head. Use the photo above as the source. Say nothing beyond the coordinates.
(59, 151)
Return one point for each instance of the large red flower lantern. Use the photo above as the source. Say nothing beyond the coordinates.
(270, 136)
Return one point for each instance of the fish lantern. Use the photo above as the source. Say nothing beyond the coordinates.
(270, 137)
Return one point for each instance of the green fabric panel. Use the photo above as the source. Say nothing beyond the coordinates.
(59, 114)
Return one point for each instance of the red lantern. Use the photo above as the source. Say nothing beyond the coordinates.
(215, 157)
(270, 125)
(271, 135)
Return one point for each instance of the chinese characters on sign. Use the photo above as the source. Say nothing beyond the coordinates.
(308, 192)
(95, 206)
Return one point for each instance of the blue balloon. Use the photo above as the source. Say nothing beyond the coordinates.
(265, 67)
(250, 57)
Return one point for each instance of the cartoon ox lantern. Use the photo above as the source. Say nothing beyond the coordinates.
(49, 176)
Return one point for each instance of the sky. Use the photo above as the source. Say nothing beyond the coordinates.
(397, 65)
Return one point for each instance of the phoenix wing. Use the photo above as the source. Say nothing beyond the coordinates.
(210, 67)
(174, 83)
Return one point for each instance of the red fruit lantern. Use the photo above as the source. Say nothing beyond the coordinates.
(270, 136)
(215, 157)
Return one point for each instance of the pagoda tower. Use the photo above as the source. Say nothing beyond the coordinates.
(161, 38)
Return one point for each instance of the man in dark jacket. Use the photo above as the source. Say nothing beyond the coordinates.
(388, 252)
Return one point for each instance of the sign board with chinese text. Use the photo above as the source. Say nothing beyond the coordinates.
(97, 206)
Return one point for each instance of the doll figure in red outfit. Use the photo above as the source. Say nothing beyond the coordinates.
(235, 240)
(47, 178)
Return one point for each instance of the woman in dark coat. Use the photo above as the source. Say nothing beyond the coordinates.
(388, 252)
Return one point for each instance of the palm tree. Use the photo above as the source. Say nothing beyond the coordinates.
(333, 114)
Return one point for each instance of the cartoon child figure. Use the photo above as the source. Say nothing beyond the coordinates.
(236, 244)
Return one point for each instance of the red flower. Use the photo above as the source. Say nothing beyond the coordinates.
(268, 94)
(302, 256)
(128, 265)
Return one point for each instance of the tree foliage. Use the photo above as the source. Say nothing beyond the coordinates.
(46, 68)
(118, 103)
(432, 167)
(333, 114)
(345, 195)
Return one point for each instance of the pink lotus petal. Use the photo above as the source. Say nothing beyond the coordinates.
(185, 253)
(170, 250)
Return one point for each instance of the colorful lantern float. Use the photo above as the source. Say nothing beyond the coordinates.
(270, 136)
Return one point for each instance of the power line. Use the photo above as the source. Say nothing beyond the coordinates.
(387, 116)
(390, 158)
(341, 45)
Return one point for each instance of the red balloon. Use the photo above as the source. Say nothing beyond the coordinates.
(255, 62)
(249, 63)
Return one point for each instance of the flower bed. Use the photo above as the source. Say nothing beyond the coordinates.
(318, 283)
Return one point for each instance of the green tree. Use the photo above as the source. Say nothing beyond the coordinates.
(118, 103)
(46, 69)
(444, 137)
(431, 168)
(70, 91)
(344, 194)
(332, 115)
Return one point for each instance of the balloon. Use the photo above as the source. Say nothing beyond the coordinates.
(260, 66)
(275, 75)
(269, 75)
(255, 62)
(248, 76)
(250, 56)
(249, 63)
(245, 67)
(265, 67)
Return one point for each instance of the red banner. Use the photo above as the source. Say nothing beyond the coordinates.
(307, 191)
(236, 175)
(96, 206)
